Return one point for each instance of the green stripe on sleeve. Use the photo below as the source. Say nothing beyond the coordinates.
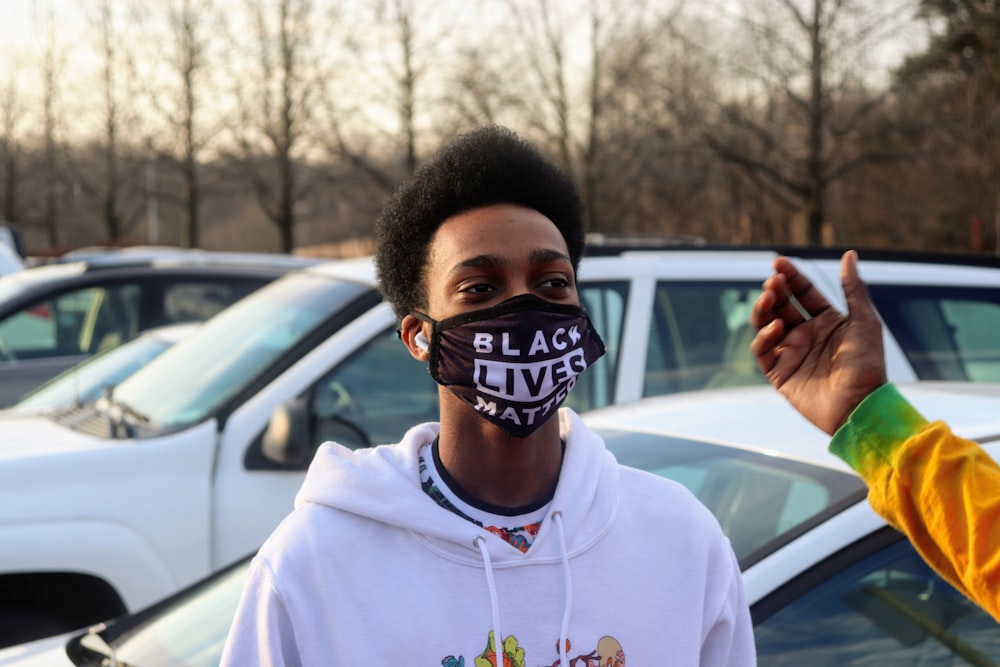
(876, 428)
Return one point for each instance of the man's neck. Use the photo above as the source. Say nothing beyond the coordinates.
(495, 467)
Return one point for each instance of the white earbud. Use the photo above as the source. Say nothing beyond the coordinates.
(421, 341)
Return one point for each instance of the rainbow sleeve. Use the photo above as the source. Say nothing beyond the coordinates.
(942, 491)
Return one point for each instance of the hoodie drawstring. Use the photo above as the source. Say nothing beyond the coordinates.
(480, 542)
(568, 583)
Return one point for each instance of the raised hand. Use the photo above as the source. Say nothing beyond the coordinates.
(824, 362)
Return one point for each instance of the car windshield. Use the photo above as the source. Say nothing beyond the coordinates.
(85, 382)
(189, 630)
(761, 501)
(189, 381)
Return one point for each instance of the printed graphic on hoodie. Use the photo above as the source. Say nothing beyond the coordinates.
(608, 653)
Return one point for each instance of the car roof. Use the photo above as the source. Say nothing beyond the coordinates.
(760, 419)
(29, 279)
(96, 258)
(358, 269)
(620, 244)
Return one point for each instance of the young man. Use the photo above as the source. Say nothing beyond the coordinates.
(506, 534)
(941, 490)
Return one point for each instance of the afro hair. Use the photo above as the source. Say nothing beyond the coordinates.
(489, 165)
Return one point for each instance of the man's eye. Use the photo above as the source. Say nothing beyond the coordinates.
(478, 288)
(556, 282)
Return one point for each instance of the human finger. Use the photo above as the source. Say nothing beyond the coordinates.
(859, 303)
(804, 301)
(762, 313)
(765, 343)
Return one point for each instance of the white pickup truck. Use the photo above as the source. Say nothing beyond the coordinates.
(109, 507)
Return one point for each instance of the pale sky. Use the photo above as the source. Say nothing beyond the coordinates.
(22, 35)
(17, 24)
(22, 42)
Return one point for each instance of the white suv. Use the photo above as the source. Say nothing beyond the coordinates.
(116, 504)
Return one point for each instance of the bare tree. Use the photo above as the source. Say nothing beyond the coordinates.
(953, 90)
(275, 102)
(389, 98)
(404, 62)
(796, 130)
(582, 64)
(110, 74)
(115, 186)
(653, 150)
(543, 27)
(393, 73)
(402, 17)
(177, 95)
(11, 117)
(53, 62)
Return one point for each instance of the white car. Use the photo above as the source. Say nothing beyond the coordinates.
(829, 583)
(177, 473)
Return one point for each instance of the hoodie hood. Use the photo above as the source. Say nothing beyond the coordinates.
(383, 484)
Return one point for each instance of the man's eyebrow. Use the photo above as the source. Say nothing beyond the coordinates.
(538, 256)
(545, 255)
(477, 262)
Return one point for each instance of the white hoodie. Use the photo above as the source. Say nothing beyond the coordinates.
(369, 570)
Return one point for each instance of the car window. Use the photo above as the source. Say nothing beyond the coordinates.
(760, 501)
(605, 303)
(197, 299)
(886, 609)
(947, 333)
(82, 321)
(112, 318)
(699, 337)
(374, 395)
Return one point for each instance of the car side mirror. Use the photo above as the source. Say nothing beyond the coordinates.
(289, 436)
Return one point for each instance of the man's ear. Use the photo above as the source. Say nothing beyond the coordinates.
(409, 327)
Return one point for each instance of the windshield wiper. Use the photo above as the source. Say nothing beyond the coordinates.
(122, 417)
(91, 648)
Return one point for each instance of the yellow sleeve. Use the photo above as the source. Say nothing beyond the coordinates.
(940, 490)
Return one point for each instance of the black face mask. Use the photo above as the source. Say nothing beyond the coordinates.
(515, 362)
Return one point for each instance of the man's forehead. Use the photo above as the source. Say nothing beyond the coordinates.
(496, 235)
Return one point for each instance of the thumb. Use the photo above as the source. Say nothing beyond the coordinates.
(859, 304)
